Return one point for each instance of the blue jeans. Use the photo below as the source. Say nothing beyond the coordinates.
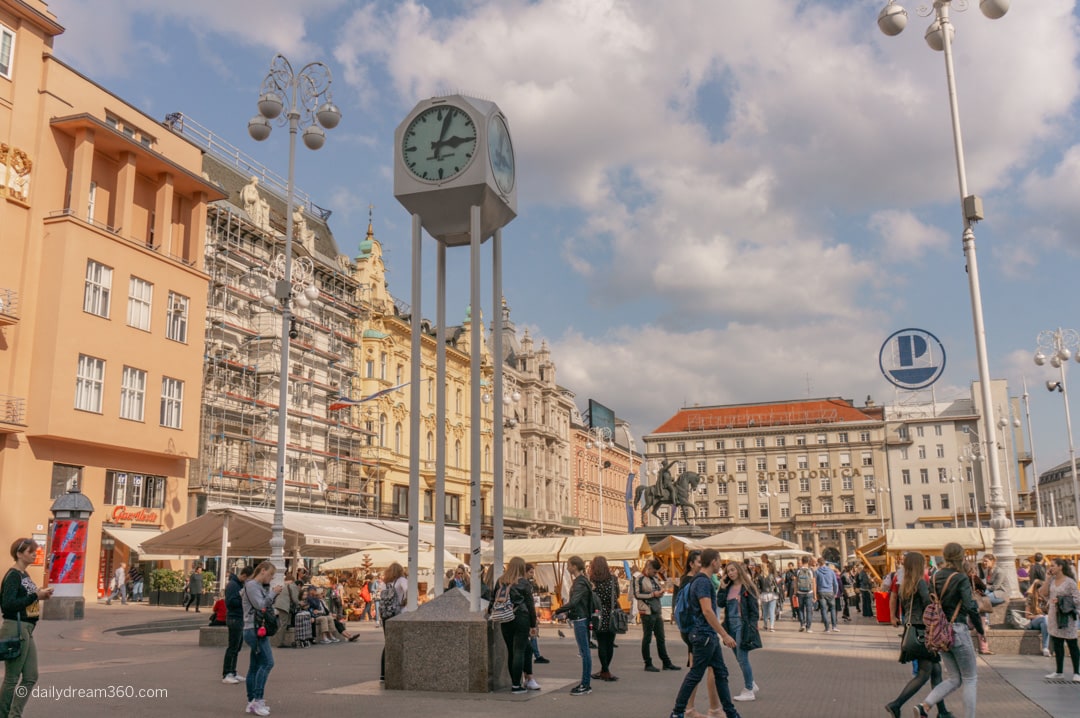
(961, 666)
(706, 649)
(828, 610)
(768, 612)
(743, 658)
(995, 600)
(806, 609)
(581, 635)
(1039, 622)
(535, 646)
(262, 662)
(137, 590)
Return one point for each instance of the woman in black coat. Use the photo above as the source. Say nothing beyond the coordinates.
(516, 633)
(606, 586)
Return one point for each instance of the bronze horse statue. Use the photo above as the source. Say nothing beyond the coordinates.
(651, 498)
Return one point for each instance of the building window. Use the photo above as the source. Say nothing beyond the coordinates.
(781, 441)
(744, 512)
(842, 437)
(937, 429)
(721, 488)
(826, 506)
(680, 446)
(7, 50)
(864, 436)
(924, 476)
(785, 512)
(761, 463)
(849, 505)
(868, 482)
(701, 467)
(845, 461)
(823, 461)
(457, 401)
(763, 510)
(740, 443)
(945, 502)
(430, 444)
(722, 509)
(782, 486)
(719, 444)
(919, 431)
(804, 506)
(909, 505)
(429, 502)
(661, 448)
(759, 442)
(822, 439)
(871, 507)
(905, 476)
(826, 483)
(140, 300)
(453, 509)
(762, 486)
(172, 402)
(922, 451)
(902, 432)
(740, 465)
(457, 453)
(369, 369)
(926, 501)
(943, 475)
(98, 287)
(132, 394)
(89, 384)
(401, 501)
(867, 458)
(430, 389)
(699, 446)
(781, 463)
(383, 359)
(941, 451)
(804, 486)
(399, 375)
(742, 487)
(848, 483)
(397, 438)
(803, 462)
(721, 466)
(800, 440)
(64, 478)
(903, 453)
(176, 320)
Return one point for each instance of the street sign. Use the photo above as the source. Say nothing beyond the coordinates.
(912, 359)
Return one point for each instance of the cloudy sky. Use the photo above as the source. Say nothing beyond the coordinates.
(719, 202)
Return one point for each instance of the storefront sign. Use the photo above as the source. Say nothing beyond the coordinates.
(138, 516)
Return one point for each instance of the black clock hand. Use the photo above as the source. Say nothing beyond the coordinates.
(437, 145)
(455, 141)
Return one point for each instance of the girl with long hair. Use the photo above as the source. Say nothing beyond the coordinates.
(516, 633)
(769, 592)
(606, 586)
(914, 597)
(953, 588)
(256, 596)
(741, 615)
(393, 576)
(1061, 583)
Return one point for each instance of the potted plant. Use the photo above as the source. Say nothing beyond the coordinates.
(166, 587)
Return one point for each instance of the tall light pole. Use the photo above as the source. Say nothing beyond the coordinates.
(1062, 343)
(892, 20)
(1039, 518)
(952, 493)
(767, 495)
(305, 98)
(600, 438)
(1003, 424)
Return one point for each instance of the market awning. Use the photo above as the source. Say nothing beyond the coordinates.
(133, 539)
(313, 535)
(613, 547)
(531, 550)
(379, 557)
(742, 539)
(1027, 540)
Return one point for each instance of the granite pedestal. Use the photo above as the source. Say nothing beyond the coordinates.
(64, 608)
(442, 646)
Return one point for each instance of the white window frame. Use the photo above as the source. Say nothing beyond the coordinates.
(7, 61)
(133, 394)
(98, 289)
(172, 403)
(176, 317)
(89, 384)
(140, 303)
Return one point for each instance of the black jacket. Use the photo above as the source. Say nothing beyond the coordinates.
(959, 594)
(916, 603)
(234, 604)
(521, 596)
(18, 593)
(580, 602)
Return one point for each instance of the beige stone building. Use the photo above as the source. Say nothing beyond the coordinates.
(102, 301)
(604, 475)
(810, 471)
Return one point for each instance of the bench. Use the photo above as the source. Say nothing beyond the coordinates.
(214, 636)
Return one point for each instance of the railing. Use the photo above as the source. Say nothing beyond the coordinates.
(155, 248)
(9, 303)
(12, 409)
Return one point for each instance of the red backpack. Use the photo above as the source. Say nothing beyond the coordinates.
(939, 630)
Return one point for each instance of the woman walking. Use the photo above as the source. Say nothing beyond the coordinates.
(693, 568)
(1060, 588)
(741, 616)
(953, 588)
(606, 587)
(914, 595)
(20, 603)
(517, 632)
(256, 596)
(393, 576)
(769, 591)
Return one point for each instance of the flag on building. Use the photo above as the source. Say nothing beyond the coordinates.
(343, 402)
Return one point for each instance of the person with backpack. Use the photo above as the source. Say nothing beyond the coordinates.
(256, 596)
(955, 606)
(578, 610)
(706, 637)
(913, 598)
(806, 591)
(391, 600)
(606, 587)
(513, 586)
(286, 604)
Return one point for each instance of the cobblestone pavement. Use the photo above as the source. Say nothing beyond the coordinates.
(119, 651)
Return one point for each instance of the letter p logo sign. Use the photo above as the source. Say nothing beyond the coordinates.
(912, 359)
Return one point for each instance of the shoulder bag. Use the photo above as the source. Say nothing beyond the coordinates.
(11, 648)
(620, 622)
(913, 644)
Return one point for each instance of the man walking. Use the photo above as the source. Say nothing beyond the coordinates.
(707, 638)
(234, 619)
(648, 591)
(195, 588)
(120, 577)
(827, 587)
(806, 590)
(578, 609)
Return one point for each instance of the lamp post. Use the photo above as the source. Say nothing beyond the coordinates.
(1039, 518)
(952, 493)
(600, 438)
(882, 492)
(971, 454)
(939, 36)
(304, 97)
(1062, 344)
(1003, 424)
(767, 495)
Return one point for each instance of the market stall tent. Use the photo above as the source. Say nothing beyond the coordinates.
(613, 547)
(746, 541)
(382, 556)
(532, 550)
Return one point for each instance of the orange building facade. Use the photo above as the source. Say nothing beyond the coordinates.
(102, 302)
(599, 480)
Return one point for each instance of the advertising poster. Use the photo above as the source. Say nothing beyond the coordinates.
(68, 560)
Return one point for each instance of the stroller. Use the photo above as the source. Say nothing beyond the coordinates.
(302, 628)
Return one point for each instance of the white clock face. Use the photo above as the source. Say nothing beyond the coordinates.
(501, 152)
(439, 143)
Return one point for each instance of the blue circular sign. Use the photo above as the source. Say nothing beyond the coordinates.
(912, 359)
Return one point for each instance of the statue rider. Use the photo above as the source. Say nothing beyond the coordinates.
(665, 482)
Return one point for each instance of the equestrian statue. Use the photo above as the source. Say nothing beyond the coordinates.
(668, 492)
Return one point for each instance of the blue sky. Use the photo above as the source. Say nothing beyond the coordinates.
(718, 202)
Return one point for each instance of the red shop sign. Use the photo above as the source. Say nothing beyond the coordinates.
(139, 516)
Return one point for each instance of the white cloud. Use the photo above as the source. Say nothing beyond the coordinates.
(1056, 193)
(904, 237)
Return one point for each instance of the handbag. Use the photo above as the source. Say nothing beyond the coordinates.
(502, 608)
(983, 602)
(11, 648)
(913, 643)
(751, 637)
(849, 591)
(620, 622)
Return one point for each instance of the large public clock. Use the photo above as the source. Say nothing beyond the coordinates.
(501, 153)
(439, 143)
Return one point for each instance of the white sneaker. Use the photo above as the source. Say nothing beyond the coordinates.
(335, 639)
(1076, 678)
(756, 688)
(1052, 676)
(258, 708)
(1046, 652)
(326, 641)
(239, 678)
(809, 630)
(532, 685)
(746, 695)
(231, 678)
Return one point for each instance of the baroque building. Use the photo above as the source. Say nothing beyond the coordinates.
(102, 302)
(604, 478)
(811, 471)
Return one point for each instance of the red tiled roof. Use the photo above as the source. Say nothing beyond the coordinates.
(744, 416)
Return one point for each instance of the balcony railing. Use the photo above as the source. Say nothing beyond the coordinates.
(12, 410)
(9, 306)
